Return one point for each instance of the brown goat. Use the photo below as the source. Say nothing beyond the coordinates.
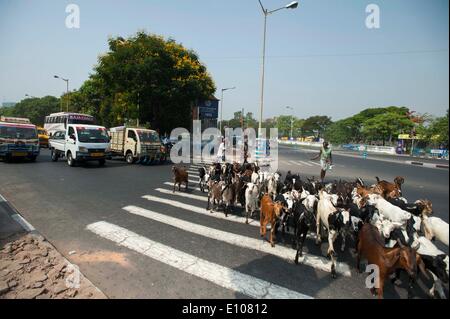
(391, 190)
(270, 212)
(214, 195)
(388, 260)
(180, 176)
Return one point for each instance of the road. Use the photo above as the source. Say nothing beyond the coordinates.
(135, 239)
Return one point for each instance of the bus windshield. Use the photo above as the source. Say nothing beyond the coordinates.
(18, 132)
(92, 135)
(148, 137)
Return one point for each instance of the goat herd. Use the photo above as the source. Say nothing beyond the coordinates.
(389, 231)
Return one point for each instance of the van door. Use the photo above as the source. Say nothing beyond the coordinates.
(131, 142)
(71, 144)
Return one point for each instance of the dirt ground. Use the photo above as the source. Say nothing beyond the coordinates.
(31, 268)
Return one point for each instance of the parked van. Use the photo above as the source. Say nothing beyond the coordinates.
(81, 143)
(18, 139)
(136, 144)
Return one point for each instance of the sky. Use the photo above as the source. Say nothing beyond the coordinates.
(321, 57)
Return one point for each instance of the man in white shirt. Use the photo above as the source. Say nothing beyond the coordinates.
(221, 152)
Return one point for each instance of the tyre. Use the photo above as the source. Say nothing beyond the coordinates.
(33, 158)
(70, 161)
(54, 155)
(129, 158)
(102, 162)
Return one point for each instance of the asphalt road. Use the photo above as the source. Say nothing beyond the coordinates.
(182, 251)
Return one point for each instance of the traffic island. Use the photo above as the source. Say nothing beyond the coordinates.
(31, 268)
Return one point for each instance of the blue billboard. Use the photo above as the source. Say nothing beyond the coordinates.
(209, 109)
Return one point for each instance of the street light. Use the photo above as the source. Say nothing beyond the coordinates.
(292, 120)
(266, 12)
(221, 107)
(67, 85)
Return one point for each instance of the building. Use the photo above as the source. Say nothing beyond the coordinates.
(207, 112)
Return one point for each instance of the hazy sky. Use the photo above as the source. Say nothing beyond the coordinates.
(322, 59)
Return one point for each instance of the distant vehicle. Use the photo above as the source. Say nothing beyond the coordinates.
(58, 121)
(137, 144)
(43, 137)
(81, 143)
(18, 139)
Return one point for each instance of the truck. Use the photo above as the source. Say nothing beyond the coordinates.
(18, 139)
(81, 143)
(135, 144)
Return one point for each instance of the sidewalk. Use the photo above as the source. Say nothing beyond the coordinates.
(31, 268)
(398, 159)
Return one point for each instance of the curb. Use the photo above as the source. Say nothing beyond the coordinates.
(429, 165)
(29, 229)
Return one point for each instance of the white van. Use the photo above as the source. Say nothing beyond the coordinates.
(81, 143)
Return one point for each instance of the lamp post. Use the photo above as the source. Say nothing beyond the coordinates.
(292, 121)
(221, 107)
(266, 12)
(67, 89)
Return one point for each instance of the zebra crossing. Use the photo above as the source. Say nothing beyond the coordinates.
(220, 275)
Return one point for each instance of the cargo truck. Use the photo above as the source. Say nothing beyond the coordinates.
(137, 144)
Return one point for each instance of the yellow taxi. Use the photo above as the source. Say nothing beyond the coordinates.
(43, 137)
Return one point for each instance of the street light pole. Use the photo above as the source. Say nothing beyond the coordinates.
(266, 13)
(221, 107)
(67, 90)
(292, 121)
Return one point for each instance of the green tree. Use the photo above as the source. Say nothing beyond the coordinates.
(316, 125)
(386, 126)
(145, 76)
(437, 132)
(36, 109)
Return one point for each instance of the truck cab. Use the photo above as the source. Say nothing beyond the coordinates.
(81, 143)
(136, 144)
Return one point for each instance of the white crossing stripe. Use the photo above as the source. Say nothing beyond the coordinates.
(241, 241)
(200, 210)
(25, 225)
(317, 164)
(217, 274)
(295, 163)
(171, 184)
(306, 163)
(191, 196)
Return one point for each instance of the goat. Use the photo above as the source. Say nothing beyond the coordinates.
(435, 228)
(388, 260)
(336, 221)
(180, 176)
(270, 212)
(436, 262)
(251, 200)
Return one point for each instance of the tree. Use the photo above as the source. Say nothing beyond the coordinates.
(36, 109)
(386, 126)
(145, 76)
(316, 125)
(437, 132)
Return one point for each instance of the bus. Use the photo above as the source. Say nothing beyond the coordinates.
(58, 121)
(18, 139)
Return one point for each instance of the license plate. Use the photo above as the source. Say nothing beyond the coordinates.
(19, 154)
(97, 154)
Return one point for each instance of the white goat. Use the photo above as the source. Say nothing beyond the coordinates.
(435, 227)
